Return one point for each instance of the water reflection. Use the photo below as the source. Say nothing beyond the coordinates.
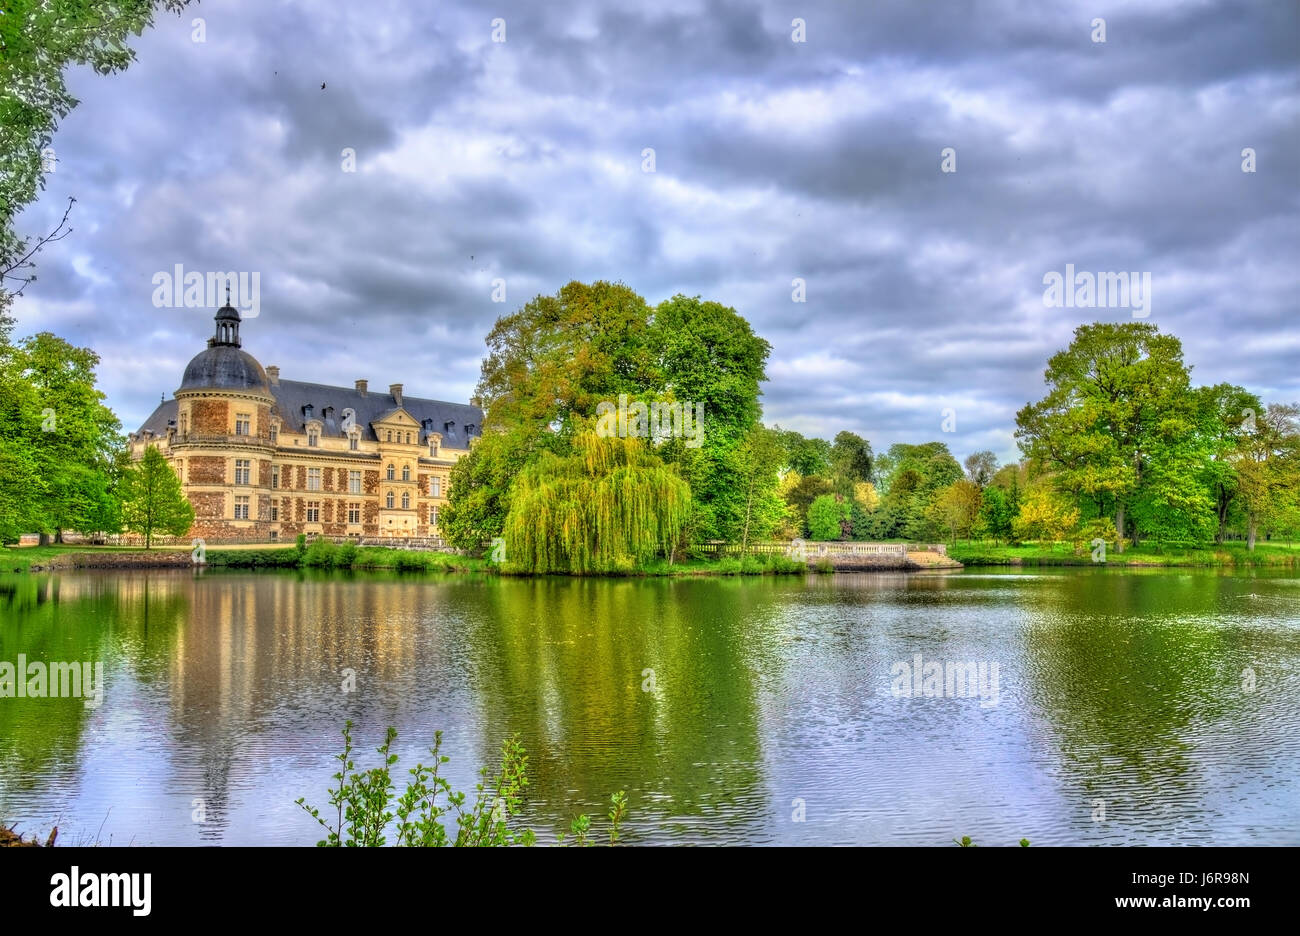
(728, 708)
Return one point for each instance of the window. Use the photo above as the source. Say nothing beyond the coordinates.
(433, 449)
(391, 474)
(388, 500)
(313, 479)
(180, 469)
(354, 482)
(275, 435)
(313, 437)
(435, 486)
(242, 424)
(408, 438)
(275, 512)
(354, 513)
(243, 471)
(241, 508)
(275, 476)
(390, 435)
(433, 516)
(352, 442)
(406, 472)
(406, 500)
(313, 511)
(185, 423)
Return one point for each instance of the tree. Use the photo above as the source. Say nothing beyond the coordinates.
(152, 499)
(956, 508)
(851, 457)
(809, 457)
(828, 518)
(1226, 416)
(756, 459)
(981, 467)
(995, 514)
(1268, 467)
(1118, 401)
(1045, 516)
(609, 505)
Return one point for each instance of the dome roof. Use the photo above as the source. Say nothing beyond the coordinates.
(225, 367)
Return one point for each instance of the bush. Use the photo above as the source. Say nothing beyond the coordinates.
(319, 555)
(345, 556)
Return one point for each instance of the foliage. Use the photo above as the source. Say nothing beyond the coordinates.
(152, 500)
(613, 502)
(367, 807)
(829, 518)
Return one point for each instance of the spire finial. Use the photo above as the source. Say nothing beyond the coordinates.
(227, 292)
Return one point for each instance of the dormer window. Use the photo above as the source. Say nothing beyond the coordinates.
(353, 442)
(313, 437)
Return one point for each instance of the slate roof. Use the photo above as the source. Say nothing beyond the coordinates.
(291, 396)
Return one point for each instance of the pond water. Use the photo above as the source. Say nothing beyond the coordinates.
(1103, 706)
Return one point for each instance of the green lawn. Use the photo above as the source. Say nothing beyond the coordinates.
(20, 558)
(1229, 554)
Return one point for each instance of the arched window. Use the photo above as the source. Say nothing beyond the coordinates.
(390, 435)
(389, 500)
(406, 472)
(391, 474)
(406, 500)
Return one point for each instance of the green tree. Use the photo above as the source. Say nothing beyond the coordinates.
(828, 518)
(981, 467)
(851, 457)
(1268, 468)
(1118, 401)
(152, 500)
(605, 508)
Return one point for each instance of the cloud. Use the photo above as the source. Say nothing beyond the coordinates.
(522, 161)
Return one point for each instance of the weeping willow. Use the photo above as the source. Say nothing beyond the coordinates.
(609, 505)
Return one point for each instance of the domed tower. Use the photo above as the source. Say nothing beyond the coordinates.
(223, 441)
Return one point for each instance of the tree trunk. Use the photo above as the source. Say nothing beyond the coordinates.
(44, 539)
(1119, 528)
(1250, 534)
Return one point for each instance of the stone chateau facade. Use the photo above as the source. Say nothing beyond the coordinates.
(264, 459)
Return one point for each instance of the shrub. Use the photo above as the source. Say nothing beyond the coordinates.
(345, 556)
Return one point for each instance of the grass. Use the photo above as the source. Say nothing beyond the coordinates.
(325, 555)
(1065, 554)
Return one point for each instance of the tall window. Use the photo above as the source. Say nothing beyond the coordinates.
(388, 500)
(313, 437)
(352, 442)
(433, 516)
(185, 423)
(390, 435)
(180, 470)
(391, 473)
(275, 512)
(243, 422)
(408, 438)
(354, 513)
(313, 511)
(275, 476)
(406, 500)
(275, 435)
(313, 479)
(243, 471)
(433, 449)
(241, 508)
(354, 482)
(435, 486)
(406, 472)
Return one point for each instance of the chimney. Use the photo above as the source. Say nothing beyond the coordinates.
(361, 387)
(273, 374)
(396, 391)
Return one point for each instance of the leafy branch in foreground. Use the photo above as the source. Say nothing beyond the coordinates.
(367, 807)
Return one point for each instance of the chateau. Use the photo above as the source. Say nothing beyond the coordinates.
(264, 459)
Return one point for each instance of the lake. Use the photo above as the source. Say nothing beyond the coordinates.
(1103, 707)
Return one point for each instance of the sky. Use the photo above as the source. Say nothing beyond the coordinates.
(797, 147)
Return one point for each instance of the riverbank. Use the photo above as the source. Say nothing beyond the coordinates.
(324, 555)
(1232, 555)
